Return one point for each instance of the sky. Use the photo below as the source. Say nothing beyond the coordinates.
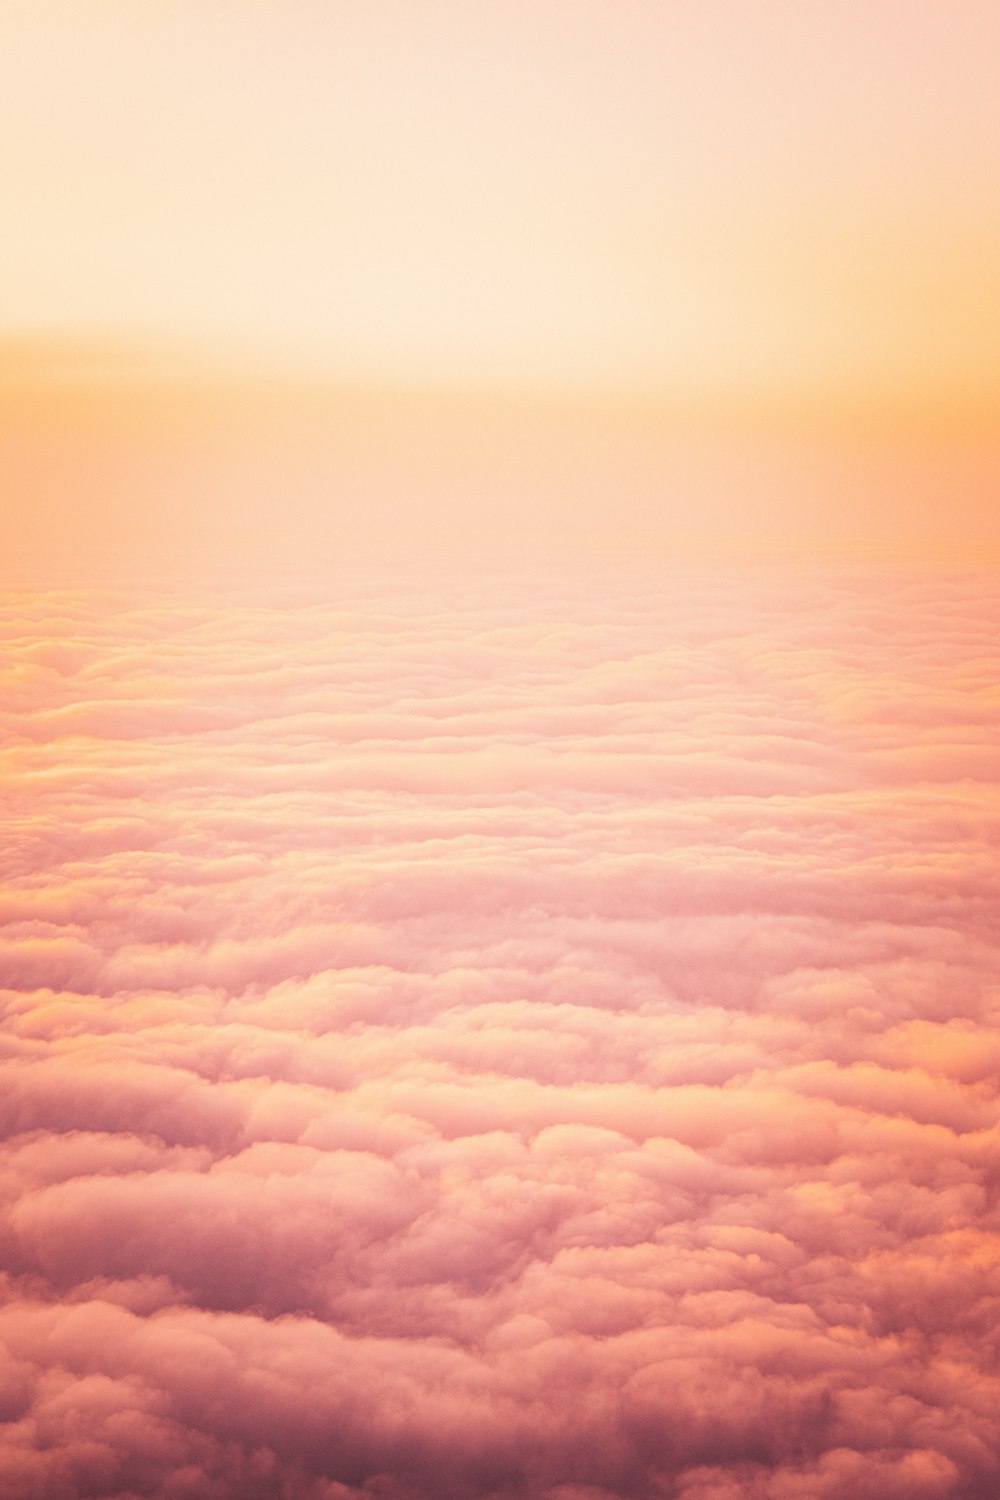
(735, 240)
(730, 200)
(498, 750)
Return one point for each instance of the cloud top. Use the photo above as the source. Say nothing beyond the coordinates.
(511, 1038)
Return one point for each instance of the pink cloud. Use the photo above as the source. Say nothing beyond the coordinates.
(531, 1039)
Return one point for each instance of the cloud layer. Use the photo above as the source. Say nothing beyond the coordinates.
(513, 1038)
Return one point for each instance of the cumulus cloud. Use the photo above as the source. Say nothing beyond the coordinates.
(518, 1037)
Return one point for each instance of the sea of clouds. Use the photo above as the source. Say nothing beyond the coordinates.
(519, 1037)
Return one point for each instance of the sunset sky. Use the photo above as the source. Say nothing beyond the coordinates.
(499, 716)
(758, 238)
(727, 200)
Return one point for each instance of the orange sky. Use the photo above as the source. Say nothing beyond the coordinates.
(783, 211)
(606, 192)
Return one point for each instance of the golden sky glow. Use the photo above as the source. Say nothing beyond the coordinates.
(708, 200)
(280, 277)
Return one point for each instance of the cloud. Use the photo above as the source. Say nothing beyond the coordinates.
(498, 1038)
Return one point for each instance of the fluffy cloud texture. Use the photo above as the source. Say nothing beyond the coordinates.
(526, 1039)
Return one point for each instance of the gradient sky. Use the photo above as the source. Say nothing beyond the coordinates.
(718, 201)
(281, 280)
